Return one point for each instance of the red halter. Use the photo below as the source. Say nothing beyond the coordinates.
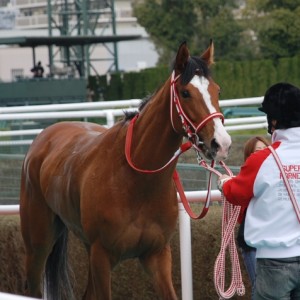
(182, 149)
(187, 124)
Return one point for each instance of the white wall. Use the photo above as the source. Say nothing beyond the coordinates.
(20, 58)
(131, 54)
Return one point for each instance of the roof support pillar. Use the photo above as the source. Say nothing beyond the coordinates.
(33, 56)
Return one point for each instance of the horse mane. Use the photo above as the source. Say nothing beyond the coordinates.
(195, 66)
(131, 114)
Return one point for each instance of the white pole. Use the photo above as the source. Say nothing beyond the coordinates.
(110, 119)
(185, 254)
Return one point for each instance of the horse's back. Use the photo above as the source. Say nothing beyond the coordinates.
(68, 132)
(59, 142)
(65, 135)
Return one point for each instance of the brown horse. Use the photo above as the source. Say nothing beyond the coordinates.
(76, 176)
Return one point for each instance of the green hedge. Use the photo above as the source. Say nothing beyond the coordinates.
(239, 79)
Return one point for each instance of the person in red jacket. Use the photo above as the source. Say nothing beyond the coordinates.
(272, 225)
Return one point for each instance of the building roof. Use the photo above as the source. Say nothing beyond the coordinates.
(64, 41)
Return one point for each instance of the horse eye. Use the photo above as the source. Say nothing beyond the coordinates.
(185, 94)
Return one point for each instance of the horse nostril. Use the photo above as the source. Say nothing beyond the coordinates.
(214, 146)
(219, 151)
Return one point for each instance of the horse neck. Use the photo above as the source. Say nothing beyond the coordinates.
(154, 139)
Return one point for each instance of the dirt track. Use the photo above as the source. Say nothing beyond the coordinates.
(129, 281)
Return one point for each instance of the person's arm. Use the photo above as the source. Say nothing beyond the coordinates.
(239, 190)
(222, 179)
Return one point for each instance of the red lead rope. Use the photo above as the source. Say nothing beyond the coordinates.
(229, 220)
(184, 200)
(181, 193)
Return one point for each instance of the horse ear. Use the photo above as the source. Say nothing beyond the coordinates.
(182, 57)
(208, 54)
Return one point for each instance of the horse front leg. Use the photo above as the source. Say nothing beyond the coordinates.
(99, 281)
(159, 266)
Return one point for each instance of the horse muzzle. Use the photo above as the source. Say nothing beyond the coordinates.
(215, 150)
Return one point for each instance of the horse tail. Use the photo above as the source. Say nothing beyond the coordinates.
(58, 279)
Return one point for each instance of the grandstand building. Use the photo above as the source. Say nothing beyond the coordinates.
(31, 18)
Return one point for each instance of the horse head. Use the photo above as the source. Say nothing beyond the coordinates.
(196, 98)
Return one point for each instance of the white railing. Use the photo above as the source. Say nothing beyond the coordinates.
(110, 110)
(5, 296)
(193, 196)
(71, 106)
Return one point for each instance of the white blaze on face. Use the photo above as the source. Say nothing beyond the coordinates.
(220, 135)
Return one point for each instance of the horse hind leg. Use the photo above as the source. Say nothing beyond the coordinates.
(159, 267)
(37, 242)
(46, 254)
(34, 267)
(40, 229)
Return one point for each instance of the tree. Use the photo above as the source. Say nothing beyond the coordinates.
(277, 27)
(280, 35)
(225, 32)
(270, 5)
(169, 22)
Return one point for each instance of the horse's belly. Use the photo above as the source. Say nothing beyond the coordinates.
(134, 239)
(150, 239)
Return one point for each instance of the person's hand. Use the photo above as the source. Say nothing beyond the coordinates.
(222, 179)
